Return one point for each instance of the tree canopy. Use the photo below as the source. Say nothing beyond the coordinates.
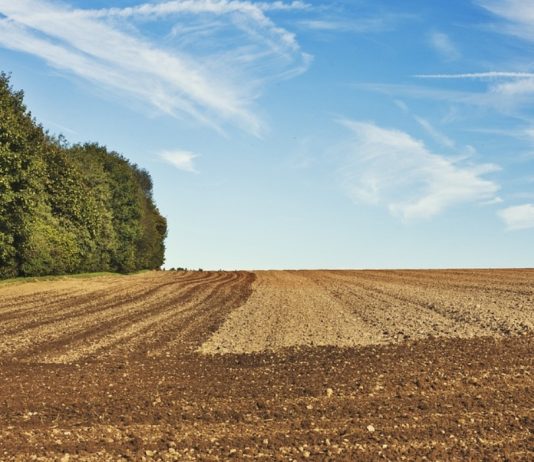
(70, 209)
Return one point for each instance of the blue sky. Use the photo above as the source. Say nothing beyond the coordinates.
(347, 134)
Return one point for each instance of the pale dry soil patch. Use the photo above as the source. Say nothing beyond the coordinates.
(344, 308)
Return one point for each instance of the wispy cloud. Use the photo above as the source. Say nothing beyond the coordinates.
(479, 75)
(436, 134)
(517, 16)
(518, 217)
(182, 160)
(214, 81)
(322, 24)
(440, 137)
(508, 97)
(423, 92)
(387, 167)
(242, 14)
(507, 85)
(282, 6)
(358, 19)
(508, 88)
(165, 8)
(361, 25)
(443, 44)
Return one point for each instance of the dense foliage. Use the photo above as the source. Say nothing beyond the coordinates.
(69, 209)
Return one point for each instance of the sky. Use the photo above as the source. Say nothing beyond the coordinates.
(301, 134)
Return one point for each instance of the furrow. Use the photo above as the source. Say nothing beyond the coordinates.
(103, 336)
(92, 303)
(50, 335)
(481, 313)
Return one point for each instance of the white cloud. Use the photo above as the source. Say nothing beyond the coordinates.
(518, 217)
(183, 160)
(518, 16)
(254, 13)
(212, 80)
(386, 167)
(515, 88)
(479, 75)
(164, 8)
(444, 46)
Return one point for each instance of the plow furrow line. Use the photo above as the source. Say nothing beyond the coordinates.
(77, 298)
(193, 330)
(39, 337)
(127, 328)
(506, 282)
(141, 337)
(480, 316)
(99, 302)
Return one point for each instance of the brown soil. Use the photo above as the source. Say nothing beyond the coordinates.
(397, 365)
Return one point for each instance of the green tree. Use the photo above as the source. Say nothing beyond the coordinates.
(22, 171)
(70, 209)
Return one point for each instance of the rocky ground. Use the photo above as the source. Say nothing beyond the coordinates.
(322, 365)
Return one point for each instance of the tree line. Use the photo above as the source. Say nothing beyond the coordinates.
(70, 208)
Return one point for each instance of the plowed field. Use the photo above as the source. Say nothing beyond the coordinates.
(288, 365)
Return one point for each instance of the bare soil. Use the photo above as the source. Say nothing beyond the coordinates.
(353, 308)
(319, 365)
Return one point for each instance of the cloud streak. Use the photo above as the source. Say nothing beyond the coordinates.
(200, 6)
(386, 167)
(478, 75)
(212, 83)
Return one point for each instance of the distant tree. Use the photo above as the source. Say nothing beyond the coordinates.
(67, 209)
